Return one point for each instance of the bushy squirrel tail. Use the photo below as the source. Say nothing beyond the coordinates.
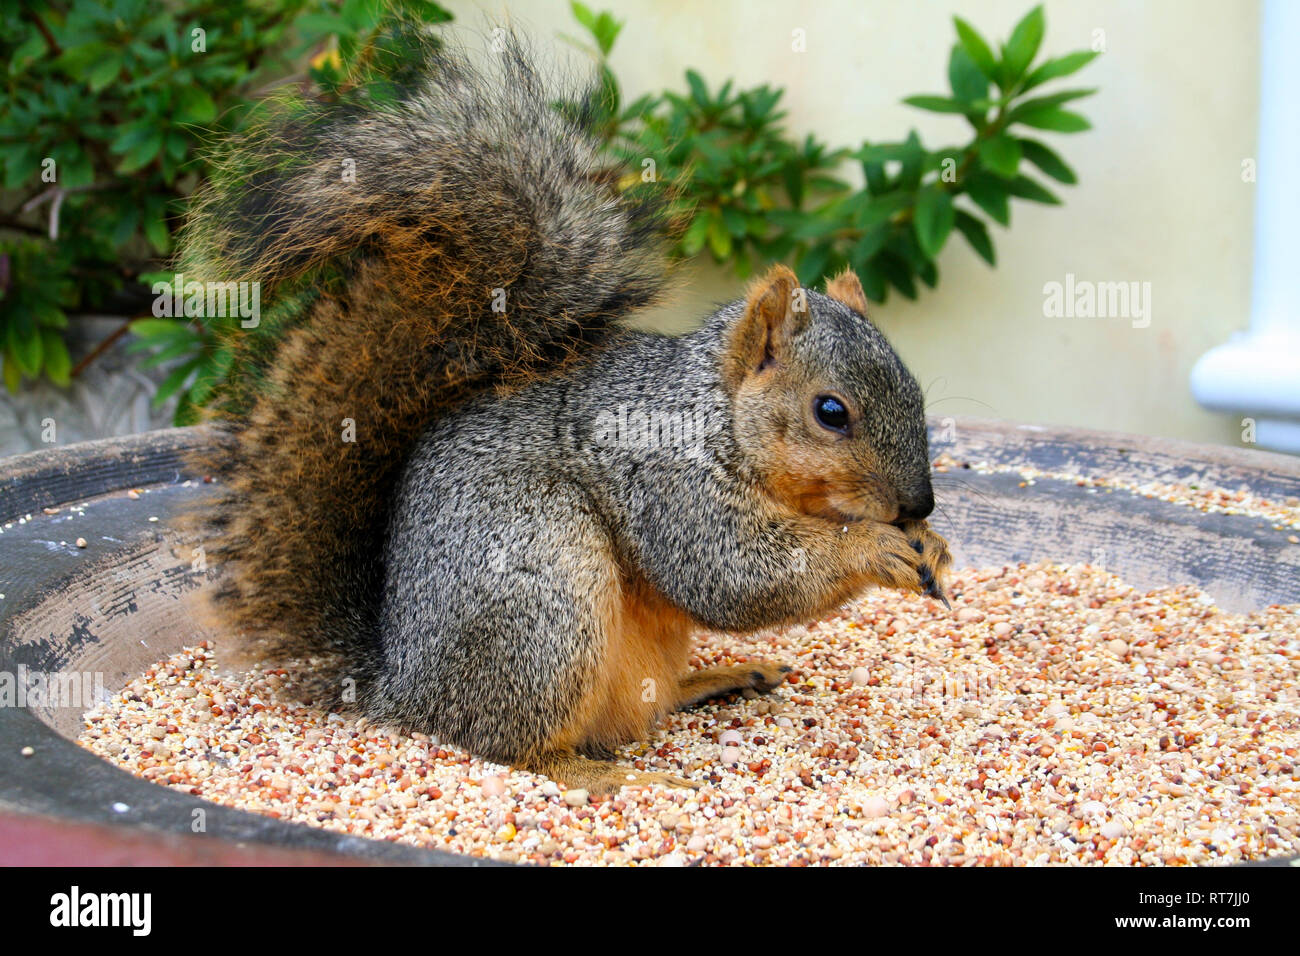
(477, 243)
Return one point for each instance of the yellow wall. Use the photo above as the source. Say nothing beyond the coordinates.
(1161, 197)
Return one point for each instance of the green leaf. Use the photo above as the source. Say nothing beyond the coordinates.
(58, 364)
(131, 137)
(582, 13)
(696, 234)
(205, 382)
(104, 72)
(178, 146)
(76, 171)
(967, 81)
(173, 382)
(936, 104)
(699, 91)
(1000, 155)
(873, 281)
(719, 240)
(362, 15)
(792, 176)
(161, 330)
(880, 208)
(737, 225)
(32, 48)
(882, 152)
(76, 60)
(606, 32)
(49, 315)
(173, 351)
(990, 194)
(1060, 66)
(977, 235)
(1048, 161)
(143, 152)
(909, 176)
(1046, 102)
(27, 350)
(976, 48)
(1058, 121)
(933, 220)
(1025, 188)
(898, 272)
(812, 264)
(1021, 49)
(874, 174)
(156, 231)
(22, 162)
(13, 374)
(194, 106)
(871, 242)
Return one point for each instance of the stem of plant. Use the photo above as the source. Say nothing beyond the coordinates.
(104, 346)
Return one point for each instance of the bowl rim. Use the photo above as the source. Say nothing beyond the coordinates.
(64, 781)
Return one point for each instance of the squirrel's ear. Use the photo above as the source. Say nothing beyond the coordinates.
(847, 288)
(775, 311)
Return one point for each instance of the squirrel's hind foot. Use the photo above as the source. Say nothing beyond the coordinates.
(599, 776)
(698, 686)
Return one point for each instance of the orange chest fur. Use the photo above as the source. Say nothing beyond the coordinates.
(646, 649)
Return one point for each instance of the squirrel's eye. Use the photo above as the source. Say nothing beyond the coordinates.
(831, 413)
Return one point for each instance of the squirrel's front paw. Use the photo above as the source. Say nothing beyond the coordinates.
(908, 558)
(935, 559)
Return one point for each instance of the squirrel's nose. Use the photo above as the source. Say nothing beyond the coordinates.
(916, 507)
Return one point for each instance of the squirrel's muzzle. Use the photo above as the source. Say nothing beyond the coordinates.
(916, 507)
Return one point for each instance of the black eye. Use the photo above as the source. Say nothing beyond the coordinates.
(831, 413)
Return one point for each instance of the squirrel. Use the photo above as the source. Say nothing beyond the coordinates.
(537, 507)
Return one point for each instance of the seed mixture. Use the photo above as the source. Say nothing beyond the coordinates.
(1056, 715)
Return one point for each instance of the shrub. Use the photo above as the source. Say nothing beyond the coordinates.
(112, 103)
(106, 107)
(748, 194)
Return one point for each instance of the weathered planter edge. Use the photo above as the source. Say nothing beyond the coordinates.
(59, 476)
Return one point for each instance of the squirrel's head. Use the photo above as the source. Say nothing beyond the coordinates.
(825, 410)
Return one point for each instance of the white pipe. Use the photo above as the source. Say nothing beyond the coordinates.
(1257, 373)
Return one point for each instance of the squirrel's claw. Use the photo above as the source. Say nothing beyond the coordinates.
(931, 589)
(938, 595)
(929, 586)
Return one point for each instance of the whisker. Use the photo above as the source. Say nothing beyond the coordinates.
(942, 510)
(955, 483)
(961, 398)
(933, 382)
(946, 482)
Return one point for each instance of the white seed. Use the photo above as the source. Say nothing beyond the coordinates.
(875, 807)
(1113, 830)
